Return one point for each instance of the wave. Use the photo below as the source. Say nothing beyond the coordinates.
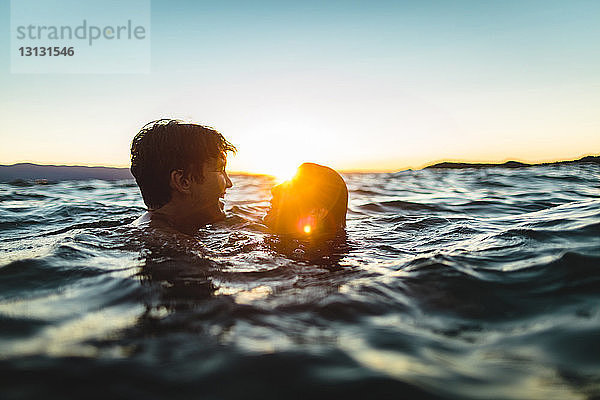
(446, 285)
(461, 283)
(25, 278)
(384, 206)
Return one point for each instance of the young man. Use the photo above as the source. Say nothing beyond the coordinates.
(180, 170)
(312, 204)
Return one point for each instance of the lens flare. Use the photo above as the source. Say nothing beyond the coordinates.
(306, 224)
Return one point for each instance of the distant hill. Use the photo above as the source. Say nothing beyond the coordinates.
(512, 164)
(28, 171)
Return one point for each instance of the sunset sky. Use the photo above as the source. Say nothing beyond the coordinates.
(369, 85)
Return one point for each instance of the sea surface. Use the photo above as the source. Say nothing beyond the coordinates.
(459, 284)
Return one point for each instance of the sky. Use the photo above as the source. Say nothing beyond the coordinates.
(355, 85)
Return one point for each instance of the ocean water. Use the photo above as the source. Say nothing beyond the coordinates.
(467, 284)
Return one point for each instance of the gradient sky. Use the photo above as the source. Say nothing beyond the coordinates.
(350, 84)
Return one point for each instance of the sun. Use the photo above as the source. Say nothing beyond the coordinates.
(284, 172)
(278, 153)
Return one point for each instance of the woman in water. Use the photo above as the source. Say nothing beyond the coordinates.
(311, 204)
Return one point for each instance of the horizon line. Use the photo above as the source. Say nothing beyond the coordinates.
(343, 170)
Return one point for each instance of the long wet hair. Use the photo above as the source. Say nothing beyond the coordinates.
(166, 145)
(315, 201)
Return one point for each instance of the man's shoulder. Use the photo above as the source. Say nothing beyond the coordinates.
(149, 220)
(143, 221)
(156, 223)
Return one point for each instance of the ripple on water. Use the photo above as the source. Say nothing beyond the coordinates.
(459, 284)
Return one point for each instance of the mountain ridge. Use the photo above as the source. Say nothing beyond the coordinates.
(31, 171)
(511, 164)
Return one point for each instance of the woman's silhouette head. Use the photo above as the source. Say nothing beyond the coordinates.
(313, 202)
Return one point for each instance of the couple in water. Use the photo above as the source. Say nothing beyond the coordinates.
(180, 170)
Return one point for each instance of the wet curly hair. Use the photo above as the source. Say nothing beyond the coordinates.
(166, 145)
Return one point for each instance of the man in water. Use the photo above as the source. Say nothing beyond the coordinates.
(313, 203)
(180, 170)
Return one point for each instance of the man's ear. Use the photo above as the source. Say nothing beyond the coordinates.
(180, 182)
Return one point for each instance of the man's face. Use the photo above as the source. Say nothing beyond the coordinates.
(207, 197)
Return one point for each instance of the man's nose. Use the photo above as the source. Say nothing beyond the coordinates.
(228, 182)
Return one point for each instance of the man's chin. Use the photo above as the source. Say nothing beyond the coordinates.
(219, 215)
(214, 215)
